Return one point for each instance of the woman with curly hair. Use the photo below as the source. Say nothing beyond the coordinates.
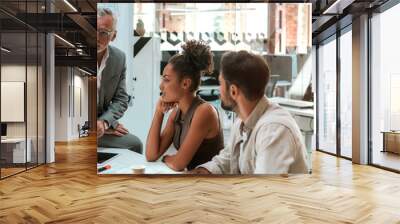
(193, 125)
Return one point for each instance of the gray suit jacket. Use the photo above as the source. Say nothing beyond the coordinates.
(113, 98)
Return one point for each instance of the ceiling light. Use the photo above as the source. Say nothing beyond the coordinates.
(70, 5)
(5, 50)
(64, 40)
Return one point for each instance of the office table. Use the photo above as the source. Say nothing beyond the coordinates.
(16, 153)
(127, 159)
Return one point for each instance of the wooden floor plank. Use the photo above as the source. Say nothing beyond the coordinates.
(69, 191)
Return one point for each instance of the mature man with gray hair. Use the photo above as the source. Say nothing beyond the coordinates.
(112, 98)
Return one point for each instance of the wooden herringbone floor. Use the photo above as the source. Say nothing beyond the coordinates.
(69, 191)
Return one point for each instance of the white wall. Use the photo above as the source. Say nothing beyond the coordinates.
(80, 103)
(61, 104)
(69, 85)
(14, 73)
(146, 69)
(17, 73)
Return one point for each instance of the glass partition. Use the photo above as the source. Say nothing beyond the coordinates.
(22, 88)
(14, 151)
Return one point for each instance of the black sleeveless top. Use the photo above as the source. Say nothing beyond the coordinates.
(208, 147)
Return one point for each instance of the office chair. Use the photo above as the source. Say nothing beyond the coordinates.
(84, 130)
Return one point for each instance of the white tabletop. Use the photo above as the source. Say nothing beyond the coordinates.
(127, 159)
(13, 140)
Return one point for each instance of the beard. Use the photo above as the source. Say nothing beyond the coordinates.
(229, 104)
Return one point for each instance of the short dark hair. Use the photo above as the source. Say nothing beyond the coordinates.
(195, 60)
(248, 71)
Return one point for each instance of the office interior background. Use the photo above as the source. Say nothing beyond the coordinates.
(48, 89)
(45, 79)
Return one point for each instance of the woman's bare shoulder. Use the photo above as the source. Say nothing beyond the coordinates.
(206, 111)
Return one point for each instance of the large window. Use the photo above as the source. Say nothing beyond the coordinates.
(327, 96)
(335, 60)
(346, 93)
(385, 89)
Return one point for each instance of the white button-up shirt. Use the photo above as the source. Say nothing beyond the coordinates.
(100, 70)
(268, 142)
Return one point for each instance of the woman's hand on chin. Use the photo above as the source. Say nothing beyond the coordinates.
(163, 107)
